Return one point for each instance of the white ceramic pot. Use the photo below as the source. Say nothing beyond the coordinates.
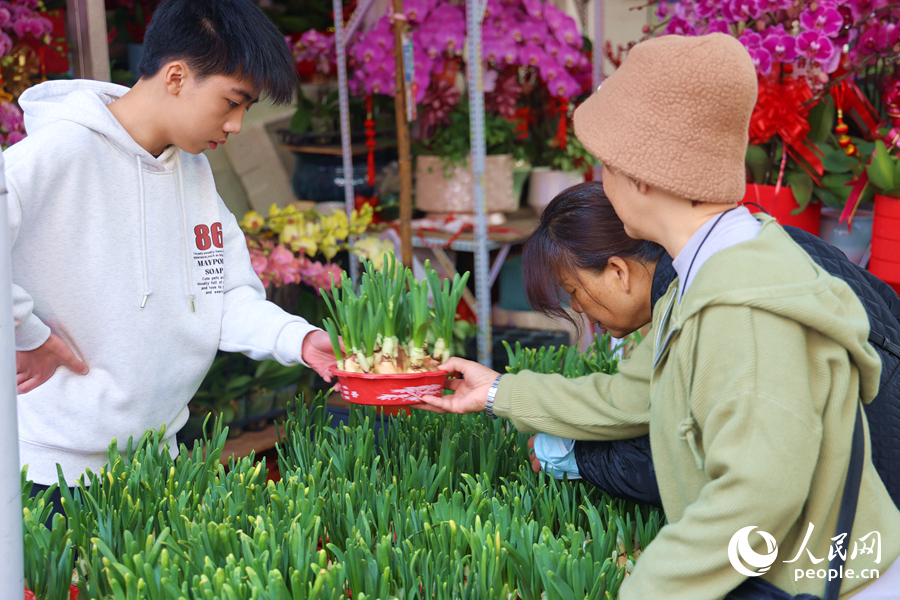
(545, 184)
(442, 190)
(853, 243)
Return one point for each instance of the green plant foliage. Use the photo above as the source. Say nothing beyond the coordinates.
(451, 141)
(431, 507)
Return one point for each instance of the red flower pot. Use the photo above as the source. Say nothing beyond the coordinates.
(885, 261)
(404, 389)
(73, 593)
(885, 227)
(781, 206)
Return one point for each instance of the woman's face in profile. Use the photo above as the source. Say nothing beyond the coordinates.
(617, 299)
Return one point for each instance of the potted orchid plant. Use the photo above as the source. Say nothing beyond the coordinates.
(804, 53)
(534, 65)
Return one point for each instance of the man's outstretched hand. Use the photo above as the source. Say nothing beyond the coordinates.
(34, 367)
(470, 392)
(318, 353)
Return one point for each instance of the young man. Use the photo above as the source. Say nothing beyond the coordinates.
(750, 381)
(128, 270)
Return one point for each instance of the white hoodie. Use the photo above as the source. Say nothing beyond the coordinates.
(136, 263)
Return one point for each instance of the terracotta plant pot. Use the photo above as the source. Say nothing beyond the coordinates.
(780, 207)
(449, 190)
(885, 261)
(404, 389)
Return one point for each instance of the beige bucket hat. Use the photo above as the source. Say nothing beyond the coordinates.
(675, 116)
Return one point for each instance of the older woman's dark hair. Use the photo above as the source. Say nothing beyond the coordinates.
(579, 229)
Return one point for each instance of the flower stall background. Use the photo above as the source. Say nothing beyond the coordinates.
(32, 48)
(824, 68)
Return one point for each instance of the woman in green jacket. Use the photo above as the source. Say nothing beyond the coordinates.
(757, 360)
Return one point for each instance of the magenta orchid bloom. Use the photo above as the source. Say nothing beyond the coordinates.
(815, 46)
(707, 8)
(535, 8)
(750, 39)
(679, 26)
(549, 69)
(825, 19)
(762, 60)
(782, 47)
(717, 26)
(736, 11)
(564, 86)
(532, 55)
(873, 39)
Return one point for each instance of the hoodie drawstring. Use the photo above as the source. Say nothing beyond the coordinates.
(186, 271)
(147, 290)
(188, 288)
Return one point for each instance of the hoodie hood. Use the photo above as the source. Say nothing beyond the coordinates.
(85, 103)
(784, 280)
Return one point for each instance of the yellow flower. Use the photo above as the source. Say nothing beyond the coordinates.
(289, 234)
(304, 238)
(373, 249)
(328, 246)
(276, 221)
(252, 222)
(361, 219)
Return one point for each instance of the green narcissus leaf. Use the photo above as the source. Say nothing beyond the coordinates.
(802, 185)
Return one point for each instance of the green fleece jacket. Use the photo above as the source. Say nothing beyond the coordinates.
(749, 388)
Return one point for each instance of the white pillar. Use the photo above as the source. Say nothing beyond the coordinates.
(86, 31)
(12, 567)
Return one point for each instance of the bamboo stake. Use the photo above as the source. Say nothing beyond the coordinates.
(404, 160)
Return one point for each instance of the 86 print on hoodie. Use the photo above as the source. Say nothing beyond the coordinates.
(136, 263)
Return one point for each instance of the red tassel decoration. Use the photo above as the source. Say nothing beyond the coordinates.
(562, 128)
(370, 141)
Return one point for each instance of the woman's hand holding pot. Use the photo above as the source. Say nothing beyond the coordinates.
(470, 392)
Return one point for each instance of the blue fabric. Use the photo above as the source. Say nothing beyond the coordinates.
(557, 455)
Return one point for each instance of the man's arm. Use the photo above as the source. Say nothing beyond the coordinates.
(257, 327)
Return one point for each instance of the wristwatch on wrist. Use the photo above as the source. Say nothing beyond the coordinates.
(489, 407)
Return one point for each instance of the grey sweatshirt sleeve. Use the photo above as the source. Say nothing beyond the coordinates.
(31, 332)
(250, 323)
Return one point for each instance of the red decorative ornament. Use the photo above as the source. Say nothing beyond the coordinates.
(781, 109)
(562, 106)
(841, 129)
(370, 141)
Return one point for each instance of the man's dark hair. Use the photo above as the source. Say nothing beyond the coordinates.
(221, 37)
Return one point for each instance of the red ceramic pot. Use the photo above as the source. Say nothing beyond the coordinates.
(404, 389)
(885, 227)
(781, 206)
(886, 249)
(885, 261)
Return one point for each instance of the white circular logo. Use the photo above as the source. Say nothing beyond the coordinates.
(739, 549)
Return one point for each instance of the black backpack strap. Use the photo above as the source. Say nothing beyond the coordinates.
(848, 502)
(876, 339)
